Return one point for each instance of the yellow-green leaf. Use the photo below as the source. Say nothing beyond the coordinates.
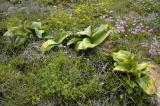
(73, 41)
(147, 84)
(46, 46)
(86, 32)
(84, 44)
(99, 36)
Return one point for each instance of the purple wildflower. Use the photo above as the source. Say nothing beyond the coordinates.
(137, 29)
(121, 28)
(126, 18)
(152, 52)
(144, 44)
(150, 30)
(110, 19)
(120, 24)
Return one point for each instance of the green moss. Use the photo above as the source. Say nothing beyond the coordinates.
(19, 64)
(71, 77)
(7, 74)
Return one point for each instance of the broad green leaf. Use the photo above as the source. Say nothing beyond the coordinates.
(62, 37)
(39, 33)
(142, 66)
(8, 34)
(11, 31)
(147, 84)
(86, 32)
(125, 61)
(20, 40)
(121, 56)
(73, 41)
(46, 46)
(84, 44)
(99, 28)
(36, 25)
(99, 36)
(120, 68)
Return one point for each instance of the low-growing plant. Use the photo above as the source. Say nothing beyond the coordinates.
(36, 27)
(82, 40)
(90, 38)
(137, 73)
(49, 44)
(17, 36)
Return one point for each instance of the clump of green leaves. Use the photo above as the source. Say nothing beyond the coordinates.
(36, 27)
(49, 44)
(17, 36)
(90, 38)
(82, 40)
(137, 73)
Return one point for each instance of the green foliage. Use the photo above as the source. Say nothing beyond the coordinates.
(70, 77)
(125, 62)
(37, 28)
(17, 88)
(89, 14)
(16, 36)
(14, 20)
(61, 20)
(90, 38)
(49, 44)
(82, 40)
(7, 75)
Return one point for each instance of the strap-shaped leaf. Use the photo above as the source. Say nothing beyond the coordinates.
(39, 33)
(99, 36)
(46, 46)
(62, 36)
(147, 84)
(20, 40)
(142, 66)
(99, 28)
(86, 32)
(121, 68)
(73, 41)
(84, 44)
